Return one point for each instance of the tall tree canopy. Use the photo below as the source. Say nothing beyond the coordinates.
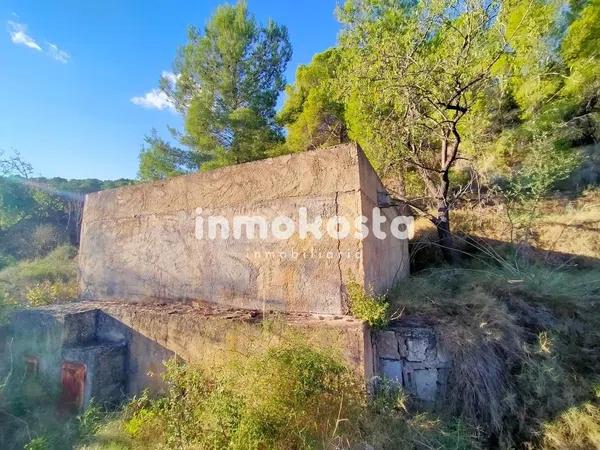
(160, 160)
(229, 79)
(415, 70)
(442, 92)
(314, 117)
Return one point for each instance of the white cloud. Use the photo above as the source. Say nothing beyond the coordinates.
(155, 99)
(170, 77)
(58, 54)
(19, 36)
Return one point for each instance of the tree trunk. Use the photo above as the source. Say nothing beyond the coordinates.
(445, 240)
(442, 223)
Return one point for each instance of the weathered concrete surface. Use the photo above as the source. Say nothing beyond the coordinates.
(124, 345)
(50, 337)
(138, 242)
(206, 334)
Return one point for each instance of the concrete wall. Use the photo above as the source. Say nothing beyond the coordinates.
(55, 335)
(138, 242)
(206, 336)
(385, 262)
(124, 346)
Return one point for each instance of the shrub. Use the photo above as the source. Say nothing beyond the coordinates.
(281, 399)
(47, 293)
(45, 238)
(373, 309)
(288, 396)
(89, 422)
(41, 278)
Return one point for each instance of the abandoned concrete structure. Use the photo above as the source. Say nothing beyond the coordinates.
(154, 286)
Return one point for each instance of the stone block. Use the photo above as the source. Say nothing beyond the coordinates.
(387, 345)
(426, 384)
(391, 369)
(417, 349)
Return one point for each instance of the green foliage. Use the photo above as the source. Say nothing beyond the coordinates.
(89, 422)
(373, 309)
(229, 79)
(389, 397)
(580, 52)
(39, 218)
(289, 396)
(412, 73)
(160, 160)
(15, 202)
(40, 214)
(144, 420)
(41, 281)
(313, 117)
(542, 169)
(48, 293)
(38, 443)
(431, 89)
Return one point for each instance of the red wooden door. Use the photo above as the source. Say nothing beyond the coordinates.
(72, 380)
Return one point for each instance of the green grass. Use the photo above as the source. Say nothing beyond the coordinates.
(41, 281)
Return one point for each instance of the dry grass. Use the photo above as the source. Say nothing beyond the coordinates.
(521, 354)
(522, 324)
(560, 225)
(578, 428)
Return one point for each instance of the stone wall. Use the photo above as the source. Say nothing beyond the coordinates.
(411, 356)
(138, 243)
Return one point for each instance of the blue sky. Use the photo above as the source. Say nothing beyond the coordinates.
(69, 70)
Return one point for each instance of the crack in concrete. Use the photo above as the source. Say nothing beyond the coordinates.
(343, 304)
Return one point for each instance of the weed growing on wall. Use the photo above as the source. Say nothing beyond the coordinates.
(365, 305)
(48, 293)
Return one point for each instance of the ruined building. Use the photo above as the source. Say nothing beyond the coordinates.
(156, 281)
